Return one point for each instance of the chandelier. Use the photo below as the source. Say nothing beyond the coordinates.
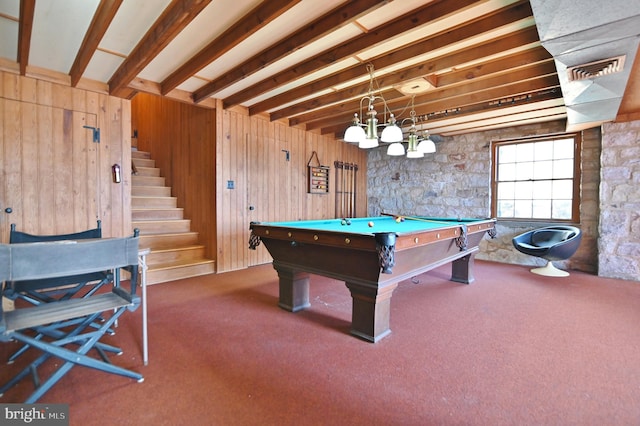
(366, 134)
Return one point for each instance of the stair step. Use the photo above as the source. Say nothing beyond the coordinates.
(175, 271)
(147, 181)
(176, 255)
(140, 154)
(151, 191)
(153, 202)
(148, 227)
(168, 241)
(147, 171)
(175, 250)
(143, 162)
(157, 214)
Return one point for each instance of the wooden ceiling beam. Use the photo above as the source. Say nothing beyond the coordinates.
(438, 41)
(493, 110)
(99, 24)
(25, 28)
(473, 53)
(299, 112)
(336, 113)
(485, 104)
(460, 77)
(174, 19)
(416, 18)
(317, 29)
(481, 89)
(250, 23)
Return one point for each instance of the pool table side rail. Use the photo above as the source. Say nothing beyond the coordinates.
(365, 241)
(314, 236)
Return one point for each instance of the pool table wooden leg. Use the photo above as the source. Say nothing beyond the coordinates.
(370, 311)
(462, 269)
(294, 289)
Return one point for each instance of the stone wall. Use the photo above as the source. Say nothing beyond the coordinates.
(619, 242)
(456, 181)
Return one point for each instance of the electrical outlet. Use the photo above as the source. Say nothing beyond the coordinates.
(231, 184)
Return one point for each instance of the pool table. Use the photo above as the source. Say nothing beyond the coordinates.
(371, 255)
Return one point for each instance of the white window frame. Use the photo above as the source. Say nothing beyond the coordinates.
(522, 178)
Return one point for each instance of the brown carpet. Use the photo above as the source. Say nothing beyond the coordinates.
(512, 348)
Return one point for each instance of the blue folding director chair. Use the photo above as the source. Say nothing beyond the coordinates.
(59, 288)
(67, 329)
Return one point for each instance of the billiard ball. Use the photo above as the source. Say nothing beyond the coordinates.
(343, 222)
(398, 219)
(370, 224)
(348, 222)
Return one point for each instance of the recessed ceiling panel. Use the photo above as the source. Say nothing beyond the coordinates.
(390, 11)
(102, 66)
(130, 24)
(10, 8)
(335, 67)
(9, 37)
(60, 27)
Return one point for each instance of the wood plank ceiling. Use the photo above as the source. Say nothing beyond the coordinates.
(465, 65)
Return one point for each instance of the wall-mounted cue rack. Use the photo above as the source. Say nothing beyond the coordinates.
(345, 189)
(318, 176)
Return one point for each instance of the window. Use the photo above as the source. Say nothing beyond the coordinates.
(536, 179)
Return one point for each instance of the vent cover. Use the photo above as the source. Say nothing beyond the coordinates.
(596, 69)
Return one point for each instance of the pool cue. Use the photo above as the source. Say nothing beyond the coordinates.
(346, 190)
(419, 219)
(353, 189)
(348, 183)
(344, 212)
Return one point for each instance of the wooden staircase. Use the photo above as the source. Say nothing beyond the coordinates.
(175, 251)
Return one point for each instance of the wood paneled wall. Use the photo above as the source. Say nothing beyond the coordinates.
(252, 153)
(57, 180)
(181, 140)
(52, 175)
(201, 151)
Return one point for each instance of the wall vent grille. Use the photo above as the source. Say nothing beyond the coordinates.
(596, 69)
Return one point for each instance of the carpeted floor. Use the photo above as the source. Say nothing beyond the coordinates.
(512, 348)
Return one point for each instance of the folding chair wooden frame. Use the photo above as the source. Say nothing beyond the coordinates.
(67, 329)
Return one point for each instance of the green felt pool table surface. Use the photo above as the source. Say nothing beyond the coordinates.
(380, 224)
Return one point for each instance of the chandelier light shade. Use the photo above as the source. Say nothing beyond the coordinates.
(368, 143)
(366, 135)
(427, 146)
(395, 149)
(392, 132)
(354, 133)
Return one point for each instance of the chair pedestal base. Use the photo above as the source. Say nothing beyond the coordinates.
(550, 271)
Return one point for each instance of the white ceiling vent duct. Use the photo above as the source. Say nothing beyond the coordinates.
(578, 37)
(596, 69)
